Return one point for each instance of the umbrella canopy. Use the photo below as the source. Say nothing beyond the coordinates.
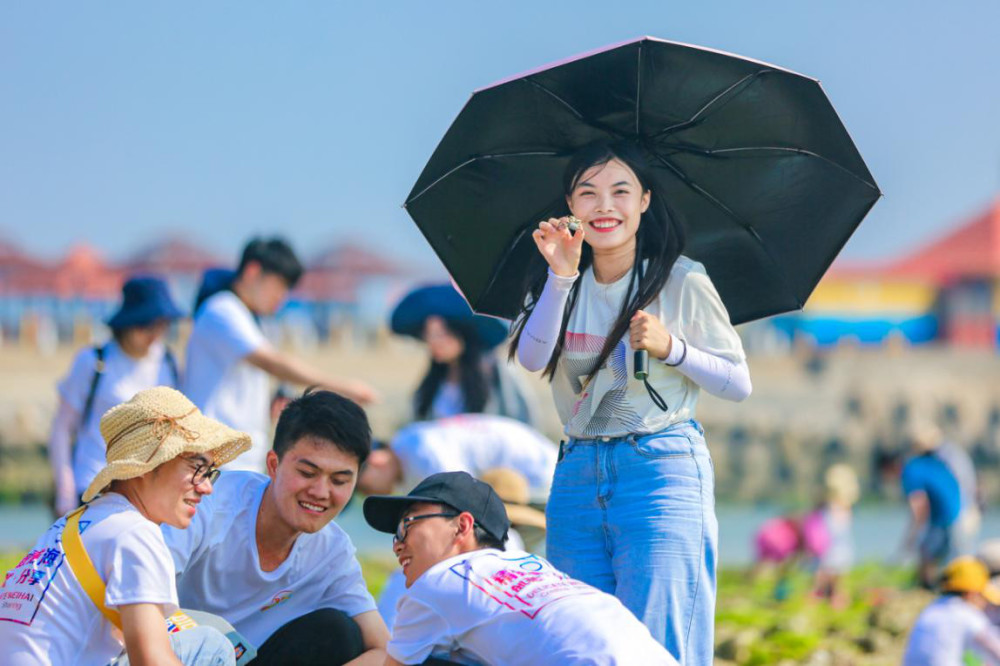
(751, 158)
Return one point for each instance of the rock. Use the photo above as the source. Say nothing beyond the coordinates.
(737, 647)
(876, 641)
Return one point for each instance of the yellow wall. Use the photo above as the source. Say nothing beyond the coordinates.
(871, 296)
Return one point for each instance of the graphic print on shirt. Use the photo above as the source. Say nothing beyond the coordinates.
(277, 599)
(24, 586)
(526, 584)
(609, 386)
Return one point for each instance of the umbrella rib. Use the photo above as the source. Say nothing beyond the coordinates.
(779, 149)
(476, 159)
(590, 121)
(728, 211)
(745, 82)
(638, 87)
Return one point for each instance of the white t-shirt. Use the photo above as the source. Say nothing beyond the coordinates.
(220, 382)
(395, 584)
(123, 377)
(45, 615)
(474, 443)
(511, 607)
(218, 567)
(945, 631)
(611, 405)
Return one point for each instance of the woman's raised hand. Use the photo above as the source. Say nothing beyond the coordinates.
(560, 247)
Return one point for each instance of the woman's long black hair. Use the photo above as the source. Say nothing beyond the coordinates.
(473, 380)
(659, 241)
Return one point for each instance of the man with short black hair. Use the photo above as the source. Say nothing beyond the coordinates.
(264, 554)
(229, 361)
(469, 600)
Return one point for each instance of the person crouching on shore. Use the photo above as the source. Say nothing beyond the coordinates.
(469, 600)
(101, 578)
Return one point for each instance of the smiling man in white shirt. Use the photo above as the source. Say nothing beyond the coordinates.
(468, 600)
(264, 554)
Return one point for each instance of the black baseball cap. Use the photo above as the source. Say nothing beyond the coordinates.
(459, 490)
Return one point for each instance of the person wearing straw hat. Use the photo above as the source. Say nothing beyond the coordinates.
(469, 600)
(103, 376)
(463, 375)
(230, 362)
(265, 554)
(101, 578)
(954, 629)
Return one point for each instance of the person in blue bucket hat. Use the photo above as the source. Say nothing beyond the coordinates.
(464, 376)
(102, 376)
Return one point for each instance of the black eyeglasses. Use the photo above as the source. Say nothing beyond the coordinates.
(203, 472)
(404, 524)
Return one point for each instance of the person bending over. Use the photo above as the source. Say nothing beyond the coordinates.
(468, 599)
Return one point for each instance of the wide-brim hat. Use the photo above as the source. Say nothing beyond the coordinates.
(459, 490)
(511, 486)
(145, 300)
(156, 426)
(444, 301)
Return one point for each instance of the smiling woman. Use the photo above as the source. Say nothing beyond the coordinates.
(635, 464)
(118, 585)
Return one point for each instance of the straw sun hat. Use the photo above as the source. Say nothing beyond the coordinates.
(512, 488)
(154, 427)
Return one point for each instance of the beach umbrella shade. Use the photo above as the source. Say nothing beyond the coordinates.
(751, 158)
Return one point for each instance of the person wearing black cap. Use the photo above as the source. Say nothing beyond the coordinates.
(469, 599)
(103, 376)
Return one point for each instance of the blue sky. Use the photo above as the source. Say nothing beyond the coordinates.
(124, 121)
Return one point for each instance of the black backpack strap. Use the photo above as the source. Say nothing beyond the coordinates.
(168, 358)
(88, 406)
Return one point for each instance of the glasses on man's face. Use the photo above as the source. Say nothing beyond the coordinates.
(204, 472)
(404, 524)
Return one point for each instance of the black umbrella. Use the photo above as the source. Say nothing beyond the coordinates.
(751, 158)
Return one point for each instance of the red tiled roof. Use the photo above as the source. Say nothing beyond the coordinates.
(970, 251)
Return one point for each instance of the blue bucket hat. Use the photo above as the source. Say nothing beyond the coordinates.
(144, 301)
(444, 301)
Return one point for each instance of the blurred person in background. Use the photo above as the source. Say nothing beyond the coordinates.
(103, 376)
(927, 436)
(470, 443)
(230, 362)
(464, 376)
(934, 498)
(842, 492)
(954, 629)
(822, 540)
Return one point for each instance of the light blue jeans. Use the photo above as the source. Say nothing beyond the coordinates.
(198, 646)
(635, 517)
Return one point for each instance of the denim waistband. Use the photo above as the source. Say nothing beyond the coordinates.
(632, 437)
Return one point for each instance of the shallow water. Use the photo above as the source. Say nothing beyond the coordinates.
(877, 530)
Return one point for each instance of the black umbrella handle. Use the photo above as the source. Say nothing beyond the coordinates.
(640, 361)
